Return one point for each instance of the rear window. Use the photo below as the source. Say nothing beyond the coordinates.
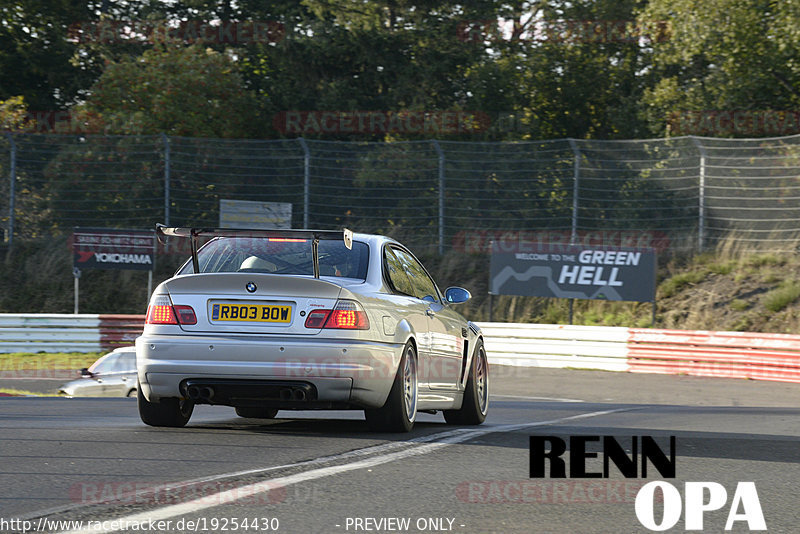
(280, 256)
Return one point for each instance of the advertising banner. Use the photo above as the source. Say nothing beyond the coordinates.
(574, 272)
(113, 249)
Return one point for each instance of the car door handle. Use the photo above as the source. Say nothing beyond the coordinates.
(429, 312)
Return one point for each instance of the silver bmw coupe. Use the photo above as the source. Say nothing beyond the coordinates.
(268, 320)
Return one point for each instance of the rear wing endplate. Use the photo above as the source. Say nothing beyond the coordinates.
(315, 236)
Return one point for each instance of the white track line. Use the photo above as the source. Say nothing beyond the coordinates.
(427, 444)
(556, 399)
(357, 453)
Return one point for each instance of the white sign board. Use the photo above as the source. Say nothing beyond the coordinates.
(255, 215)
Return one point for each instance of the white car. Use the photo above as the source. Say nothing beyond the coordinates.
(268, 320)
(112, 375)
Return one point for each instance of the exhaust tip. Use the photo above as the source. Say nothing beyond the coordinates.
(299, 395)
(193, 392)
(207, 393)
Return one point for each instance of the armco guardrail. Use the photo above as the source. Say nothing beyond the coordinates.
(56, 332)
(722, 354)
(698, 353)
(547, 345)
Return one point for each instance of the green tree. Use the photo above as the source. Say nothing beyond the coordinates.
(36, 54)
(565, 69)
(723, 55)
(178, 90)
(13, 114)
(351, 56)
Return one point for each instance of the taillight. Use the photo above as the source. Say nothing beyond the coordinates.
(185, 314)
(317, 318)
(161, 311)
(348, 319)
(345, 315)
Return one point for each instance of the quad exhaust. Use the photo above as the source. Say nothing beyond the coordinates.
(235, 392)
(200, 393)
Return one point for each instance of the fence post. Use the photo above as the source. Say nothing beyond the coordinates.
(12, 187)
(306, 181)
(165, 139)
(440, 154)
(701, 230)
(576, 175)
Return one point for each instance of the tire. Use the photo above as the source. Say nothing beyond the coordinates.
(256, 413)
(476, 394)
(171, 412)
(400, 410)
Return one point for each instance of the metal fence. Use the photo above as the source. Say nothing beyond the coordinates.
(677, 194)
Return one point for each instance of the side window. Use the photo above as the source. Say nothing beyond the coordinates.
(126, 362)
(105, 366)
(424, 288)
(397, 273)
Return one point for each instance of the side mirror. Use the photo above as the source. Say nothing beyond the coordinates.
(86, 373)
(456, 295)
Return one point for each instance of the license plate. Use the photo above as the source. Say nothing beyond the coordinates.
(256, 313)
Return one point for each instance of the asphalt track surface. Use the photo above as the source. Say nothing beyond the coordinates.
(309, 472)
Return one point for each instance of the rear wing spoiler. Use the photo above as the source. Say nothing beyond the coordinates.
(315, 236)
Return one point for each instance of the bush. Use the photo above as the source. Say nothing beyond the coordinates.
(779, 298)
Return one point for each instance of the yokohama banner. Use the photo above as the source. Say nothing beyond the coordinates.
(106, 248)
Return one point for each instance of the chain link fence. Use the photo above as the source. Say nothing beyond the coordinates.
(678, 194)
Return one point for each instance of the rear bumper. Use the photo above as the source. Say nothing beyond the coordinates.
(341, 372)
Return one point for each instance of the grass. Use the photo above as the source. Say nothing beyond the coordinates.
(24, 392)
(739, 304)
(762, 260)
(742, 324)
(673, 285)
(779, 298)
(770, 278)
(723, 268)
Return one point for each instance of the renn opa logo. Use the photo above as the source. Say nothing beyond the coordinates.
(699, 497)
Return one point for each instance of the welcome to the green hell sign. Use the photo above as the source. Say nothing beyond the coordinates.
(575, 272)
